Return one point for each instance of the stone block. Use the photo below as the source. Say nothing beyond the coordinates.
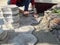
(24, 39)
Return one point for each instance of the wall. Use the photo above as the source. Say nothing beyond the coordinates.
(48, 1)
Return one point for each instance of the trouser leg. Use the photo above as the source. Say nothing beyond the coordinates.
(26, 5)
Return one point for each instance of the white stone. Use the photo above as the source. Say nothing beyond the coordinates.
(4, 27)
(15, 25)
(12, 6)
(9, 26)
(9, 20)
(12, 19)
(25, 29)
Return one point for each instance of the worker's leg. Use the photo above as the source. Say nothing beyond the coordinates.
(34, 9)
(26, 12)
(27, 2)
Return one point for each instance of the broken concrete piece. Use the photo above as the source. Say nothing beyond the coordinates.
(1, 14)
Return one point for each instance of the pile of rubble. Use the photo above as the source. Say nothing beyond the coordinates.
(50, 22)
(10, 20)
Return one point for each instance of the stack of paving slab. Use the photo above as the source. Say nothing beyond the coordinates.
(11, 16)
(3, 33)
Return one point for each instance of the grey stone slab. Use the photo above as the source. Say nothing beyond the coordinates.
(24, 39)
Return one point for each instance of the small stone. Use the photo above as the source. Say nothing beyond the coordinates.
(15, 25)
(56, 20)
(25, 29)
